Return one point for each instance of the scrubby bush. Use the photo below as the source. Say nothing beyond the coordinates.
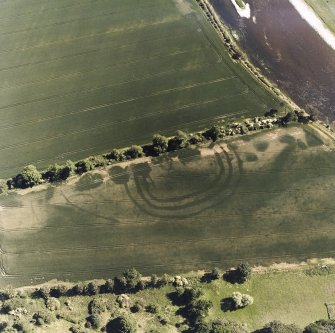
(96, 306)
(132, 278)
(243, 272)
(278, 327)
(52, 304)
(69, 169)
(321, 326)
(29, 177)
(121, 324)
(92, 288)
(239, 275)
(198, 309)
(84, 166)
(108, 287)
(216, 273)
(78, 289)
(195, 138)
(58, 291)
(213, 133)
(53, 173)
(137, 307)
(134, 152)
(116, 155)
(219, 326)
(97, 161)
(241, 300)
(94, 321)
(160, 144)
(43, 318)
(44, 292)
(151, 308)
(179, 141)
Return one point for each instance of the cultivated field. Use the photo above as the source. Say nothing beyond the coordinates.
(263, 198)
(326, 10)
(81, 77)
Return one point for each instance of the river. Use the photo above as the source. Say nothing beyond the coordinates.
(287, 50)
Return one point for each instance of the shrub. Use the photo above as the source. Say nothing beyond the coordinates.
(69, 169)
(243, 272)
(198, 309)
(151, 308)
(241, 300)
(84, 166)
(97, 161)
(53, 173)
(321, 326)
(213, 133)
(278, 327)
(58, 291)
(121, 324)
(219, 326)
(132, 278)
(137, 307)
(94, 321)
(52, 304)
(96, 306)
(29, 177)
(78, 289)
(42, 318)
(239, 275)
(92, 288)
(116, 155)
(160, 144)
(108, 287)
(179, 141)
(216, 273)
(134, 152)
(44, 292)
(195, 138)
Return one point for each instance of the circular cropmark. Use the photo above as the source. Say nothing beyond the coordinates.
(185, 187)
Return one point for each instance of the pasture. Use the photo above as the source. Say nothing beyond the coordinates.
(265, 198)
(79, 78)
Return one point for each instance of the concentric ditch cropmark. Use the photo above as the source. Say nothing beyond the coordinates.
(146, 190)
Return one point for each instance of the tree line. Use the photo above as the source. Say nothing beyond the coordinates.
(31, 176)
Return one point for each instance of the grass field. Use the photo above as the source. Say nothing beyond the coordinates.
(262, 198)
(80, 78)
(325, 10)
(289, 296)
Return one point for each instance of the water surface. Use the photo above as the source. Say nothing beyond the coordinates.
(287, 50)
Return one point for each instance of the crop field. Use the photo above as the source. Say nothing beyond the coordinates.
(326, 11)
(82, 77)
(263, 198)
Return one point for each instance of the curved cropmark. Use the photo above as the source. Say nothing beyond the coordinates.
(182, 189)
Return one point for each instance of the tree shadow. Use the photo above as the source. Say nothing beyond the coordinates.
(119, 175)
(227, 304)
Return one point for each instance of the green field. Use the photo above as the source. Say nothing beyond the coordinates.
(81, 77)
(325, 10)
(289, 296)
(264, 198)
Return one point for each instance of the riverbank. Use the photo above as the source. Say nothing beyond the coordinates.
(311, 17)
(239, 55)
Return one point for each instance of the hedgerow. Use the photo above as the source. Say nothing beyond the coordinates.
(31, 177)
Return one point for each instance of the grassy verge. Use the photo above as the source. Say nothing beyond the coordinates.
(290, 296)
